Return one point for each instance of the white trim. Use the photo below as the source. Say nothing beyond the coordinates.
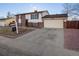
(16, 26)
(19, 19)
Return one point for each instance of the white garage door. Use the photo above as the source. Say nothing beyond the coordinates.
(53, 23)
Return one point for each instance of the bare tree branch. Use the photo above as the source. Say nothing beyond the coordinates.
(71, 8)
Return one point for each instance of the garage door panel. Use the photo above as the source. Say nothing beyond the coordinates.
(53, 23)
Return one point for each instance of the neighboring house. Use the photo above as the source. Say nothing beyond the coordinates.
(2, 22)
(54, 21)
(32, 19)
(6, 21)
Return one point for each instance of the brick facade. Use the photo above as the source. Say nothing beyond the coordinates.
(37, 25)
(23, 21)
(29, 24)
(26, 20)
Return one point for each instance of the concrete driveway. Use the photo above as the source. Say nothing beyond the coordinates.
(41, 42)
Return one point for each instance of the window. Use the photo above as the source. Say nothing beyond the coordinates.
(35, 16)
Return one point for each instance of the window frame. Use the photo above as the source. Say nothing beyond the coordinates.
(35, 16)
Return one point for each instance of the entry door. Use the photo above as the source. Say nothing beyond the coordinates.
(26, 23)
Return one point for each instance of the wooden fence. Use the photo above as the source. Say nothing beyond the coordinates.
(71, 24)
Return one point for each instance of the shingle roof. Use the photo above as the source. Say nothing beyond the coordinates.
(33, 12)
(55, 16)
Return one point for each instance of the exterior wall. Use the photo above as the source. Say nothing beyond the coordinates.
(28, 16)
(2, 23)
(36, 22)
(38, 25)
(33, 22)
(7, 21)
(22, 18)
(17, 19)
(53, 22)
(44, 14)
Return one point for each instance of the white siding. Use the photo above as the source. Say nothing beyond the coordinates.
(19, 19)
(2, 23)
(45, 13)
(28, 16)
(35, 20)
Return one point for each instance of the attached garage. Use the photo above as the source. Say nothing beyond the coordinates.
(54, 21)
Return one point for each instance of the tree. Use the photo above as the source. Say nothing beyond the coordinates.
(71, 9)
(10, 15)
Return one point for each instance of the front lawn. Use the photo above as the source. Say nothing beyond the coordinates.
(7, 32)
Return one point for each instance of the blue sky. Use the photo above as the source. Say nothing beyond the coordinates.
(15, 8)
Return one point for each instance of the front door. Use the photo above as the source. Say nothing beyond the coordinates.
(26, 23)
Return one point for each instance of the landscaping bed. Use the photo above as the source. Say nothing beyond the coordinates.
(7, 32)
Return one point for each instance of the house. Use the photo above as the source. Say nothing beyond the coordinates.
(54, 21)
(31, 19)
(2, 22)
(6, 21)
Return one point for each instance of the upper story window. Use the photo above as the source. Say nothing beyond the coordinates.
(35, 16)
